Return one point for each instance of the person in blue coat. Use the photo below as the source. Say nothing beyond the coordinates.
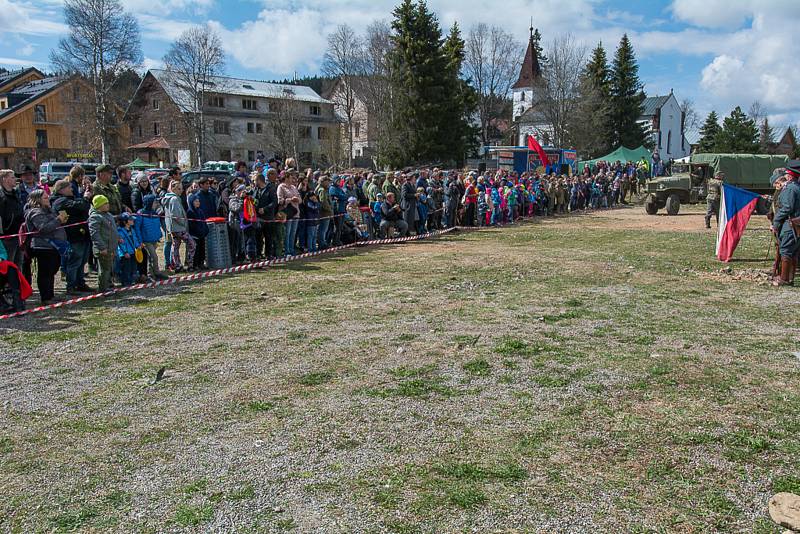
(126, 250)
(338, 198)
(198, 229)
(148, 226)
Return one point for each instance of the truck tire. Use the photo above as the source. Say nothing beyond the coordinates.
(651, 208)
(673, 204)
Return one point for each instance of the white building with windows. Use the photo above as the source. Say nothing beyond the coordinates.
(664, 122)
(527, 117)
(244, 118)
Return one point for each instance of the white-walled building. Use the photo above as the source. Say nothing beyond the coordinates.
(664, 122)
(527, 94)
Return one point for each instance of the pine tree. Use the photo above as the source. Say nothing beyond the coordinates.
(709, 133)
(766, 137)
(626, 98)
(459, 134)
(420, 82)
(591, 127)
(739, 134)
(537, 48)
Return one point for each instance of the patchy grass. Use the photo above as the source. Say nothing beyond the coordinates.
(566, 375)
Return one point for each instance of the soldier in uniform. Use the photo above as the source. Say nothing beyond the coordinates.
(713, 196)
(778, 181)
(786, 226)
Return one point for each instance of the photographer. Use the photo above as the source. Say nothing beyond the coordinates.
(392, 217)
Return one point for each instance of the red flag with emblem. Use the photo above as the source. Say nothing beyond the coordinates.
(536, 147)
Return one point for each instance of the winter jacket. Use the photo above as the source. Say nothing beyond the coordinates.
(130, 241)
(338, 198)
(44, 222)
(78, 211)
(103, 231)
(148, 225)
(325, 205)
(312, 211)
(209, 202)
(197, 226)
(390, 214)
(111, 192)
(175, 215)
(11, 211)
(125, 193)
(138, 195)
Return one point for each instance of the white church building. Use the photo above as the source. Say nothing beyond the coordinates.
(664, 122)
(527, 92)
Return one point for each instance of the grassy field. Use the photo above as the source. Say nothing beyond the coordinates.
(595, 373)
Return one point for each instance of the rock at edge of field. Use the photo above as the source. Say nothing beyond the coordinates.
(784, 509)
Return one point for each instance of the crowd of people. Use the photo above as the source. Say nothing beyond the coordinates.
(120, 226)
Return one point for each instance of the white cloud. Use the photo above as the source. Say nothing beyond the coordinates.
(36, 21)
(152, 63)
(26, 51)
(167, 7)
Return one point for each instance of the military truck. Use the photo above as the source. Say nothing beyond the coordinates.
(687, 183)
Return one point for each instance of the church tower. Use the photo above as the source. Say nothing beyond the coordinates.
(526, 91)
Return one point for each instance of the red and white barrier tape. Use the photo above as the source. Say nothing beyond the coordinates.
(219, 272)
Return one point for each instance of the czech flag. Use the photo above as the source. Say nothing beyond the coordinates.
(735, 208)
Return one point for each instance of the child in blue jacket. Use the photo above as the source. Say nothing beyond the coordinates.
(148, 227)
(126, 250)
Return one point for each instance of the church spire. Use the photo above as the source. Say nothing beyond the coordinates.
(531, 69)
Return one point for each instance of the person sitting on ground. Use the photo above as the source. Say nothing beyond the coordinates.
(105, 238)
(392, 217)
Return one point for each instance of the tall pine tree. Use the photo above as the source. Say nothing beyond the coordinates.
(739, 134)
(708, 133)
(627, 97)
(459, 135)
(590, 129)
(421, 81)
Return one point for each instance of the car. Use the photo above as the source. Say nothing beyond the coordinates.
(52, 171)
(188, 177)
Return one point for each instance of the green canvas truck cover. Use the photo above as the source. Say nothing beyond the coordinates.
(748, 171)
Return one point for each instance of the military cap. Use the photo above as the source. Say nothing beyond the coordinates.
(104, 168)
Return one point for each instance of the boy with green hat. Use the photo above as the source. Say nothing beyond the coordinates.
(103, 231)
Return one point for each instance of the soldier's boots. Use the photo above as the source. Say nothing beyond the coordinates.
(787, 272)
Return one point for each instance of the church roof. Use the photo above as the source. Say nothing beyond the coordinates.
(531, 70)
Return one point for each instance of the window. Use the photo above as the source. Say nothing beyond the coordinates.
(155, 104)
(251, 155)
(251, 127)
(172, 129)
(305, 132)
(669, 142)
(39, 113)
(216, 101)
(4, 103)
(156, 129)
(322, 133)
(222, 128)
(315, 110)
(522, 97)
(249, 104)
(41, 138)
(259, 128)
(357, 129)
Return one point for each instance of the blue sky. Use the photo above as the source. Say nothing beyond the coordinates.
(719, 53)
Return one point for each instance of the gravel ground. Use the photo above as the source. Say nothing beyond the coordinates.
(583, 374)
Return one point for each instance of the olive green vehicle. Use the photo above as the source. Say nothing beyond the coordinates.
(687, 183)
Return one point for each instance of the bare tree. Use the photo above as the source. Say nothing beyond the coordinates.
(344, 61)
(491, 64)
(103, 42)
(193, 62)
(561, 88)
(376, 88)
(757, 112)
(286, 125)
(691, 120)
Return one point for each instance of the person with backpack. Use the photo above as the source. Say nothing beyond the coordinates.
(105, 239)
(44, 242)
(176, 223)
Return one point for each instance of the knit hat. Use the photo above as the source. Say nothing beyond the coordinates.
(99, 201)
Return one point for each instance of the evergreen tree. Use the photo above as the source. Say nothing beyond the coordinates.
(420, 80)
(626, 98)
(708, 133)
(591, 127)
(739, 134)
(459, 134)
(537, 48)
(766, 137)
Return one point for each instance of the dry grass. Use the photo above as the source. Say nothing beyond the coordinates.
(564, 376)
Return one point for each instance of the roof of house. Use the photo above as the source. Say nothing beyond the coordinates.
(24, 94)
(652, 104)
(236, 86)
(9, 77)
(156, 143)
(531, 70)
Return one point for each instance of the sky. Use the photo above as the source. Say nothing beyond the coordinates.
(718, 53)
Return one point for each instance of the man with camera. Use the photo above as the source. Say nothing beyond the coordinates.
(392, 217)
